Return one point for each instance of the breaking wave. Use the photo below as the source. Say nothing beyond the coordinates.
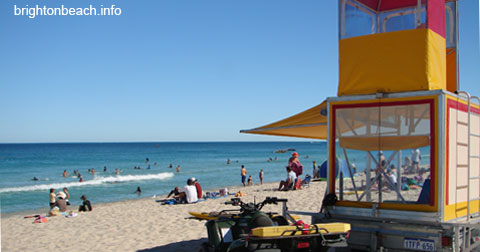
(96, 181)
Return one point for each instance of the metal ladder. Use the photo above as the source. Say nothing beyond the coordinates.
(466, 230)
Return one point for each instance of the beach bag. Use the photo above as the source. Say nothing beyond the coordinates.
(298, 184)
(405, 187)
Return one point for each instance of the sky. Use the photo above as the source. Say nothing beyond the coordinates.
(175, 70)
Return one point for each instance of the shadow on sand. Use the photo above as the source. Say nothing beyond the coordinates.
(183, 246)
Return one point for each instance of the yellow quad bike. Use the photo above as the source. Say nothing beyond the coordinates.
(249, 229)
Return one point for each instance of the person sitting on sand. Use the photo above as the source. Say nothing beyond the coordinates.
(188, 194)
(197, 186)
(173, 192)
(86, 205)
(288, 183)
(61, 203)
(53, 198)
(393, 177)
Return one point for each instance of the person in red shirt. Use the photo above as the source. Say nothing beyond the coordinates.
(198, 186)
(295, 164)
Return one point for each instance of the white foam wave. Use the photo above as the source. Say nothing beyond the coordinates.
(96, 181)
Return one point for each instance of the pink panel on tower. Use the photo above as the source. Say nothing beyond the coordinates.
(436, 16)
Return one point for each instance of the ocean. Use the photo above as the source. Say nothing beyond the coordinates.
(206, 161)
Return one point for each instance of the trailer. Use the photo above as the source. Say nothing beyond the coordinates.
(399, 116)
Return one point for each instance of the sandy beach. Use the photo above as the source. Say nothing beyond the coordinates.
(139, 225)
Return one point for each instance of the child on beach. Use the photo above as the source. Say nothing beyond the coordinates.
(261, 176)
(52, 198)
(250, 180)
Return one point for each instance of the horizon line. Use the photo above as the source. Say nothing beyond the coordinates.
(110, 142)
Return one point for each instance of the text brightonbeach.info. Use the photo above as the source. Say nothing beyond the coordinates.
(43, 10)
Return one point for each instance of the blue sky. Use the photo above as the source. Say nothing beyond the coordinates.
(170, 70)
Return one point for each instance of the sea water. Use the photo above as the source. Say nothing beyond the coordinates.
(206, 161)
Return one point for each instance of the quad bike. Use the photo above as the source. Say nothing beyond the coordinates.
(250, 229)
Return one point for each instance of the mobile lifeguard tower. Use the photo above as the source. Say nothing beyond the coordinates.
(398, 95)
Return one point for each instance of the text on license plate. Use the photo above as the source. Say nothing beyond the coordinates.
(419, 244)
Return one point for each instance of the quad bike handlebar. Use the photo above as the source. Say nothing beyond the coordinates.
(252, 207)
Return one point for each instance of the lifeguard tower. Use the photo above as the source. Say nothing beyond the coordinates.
(400, 117)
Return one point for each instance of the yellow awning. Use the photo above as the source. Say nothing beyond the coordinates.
(311, 123)
(384, 143)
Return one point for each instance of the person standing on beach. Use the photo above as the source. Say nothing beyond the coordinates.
(53, 198)
(261, 176)
(178, 168)
(244, 175)
(416, 160)
(67, 195)
(314, 169)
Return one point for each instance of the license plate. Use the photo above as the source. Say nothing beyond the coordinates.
(419, 244)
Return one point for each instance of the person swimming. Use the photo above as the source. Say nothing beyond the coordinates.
(139, 190)
(35, 179)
